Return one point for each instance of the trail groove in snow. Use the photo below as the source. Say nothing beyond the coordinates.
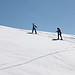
(33, 60)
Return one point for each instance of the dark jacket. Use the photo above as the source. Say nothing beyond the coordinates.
(58, 30)
(34, 26)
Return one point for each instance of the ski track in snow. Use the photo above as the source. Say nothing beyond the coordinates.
(36, 59)
(63, 62)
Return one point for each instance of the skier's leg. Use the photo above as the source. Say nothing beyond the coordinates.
(35, 31)
(32, 30)
(61, 36)
(58, 36)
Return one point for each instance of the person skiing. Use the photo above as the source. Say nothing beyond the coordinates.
(34, 28)
(59, 33)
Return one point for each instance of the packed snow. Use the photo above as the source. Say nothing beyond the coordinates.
(23, 53)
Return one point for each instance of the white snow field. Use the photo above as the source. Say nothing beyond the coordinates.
(23, 53)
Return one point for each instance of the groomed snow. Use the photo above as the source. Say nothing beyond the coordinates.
(23, 53)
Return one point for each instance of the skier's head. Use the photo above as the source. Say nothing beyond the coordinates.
(33, 24)
(58, 28)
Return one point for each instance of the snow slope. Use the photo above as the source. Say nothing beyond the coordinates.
(23, 53)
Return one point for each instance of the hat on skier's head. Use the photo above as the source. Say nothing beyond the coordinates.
(57, 28)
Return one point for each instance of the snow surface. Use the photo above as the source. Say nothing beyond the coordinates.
(23, 53)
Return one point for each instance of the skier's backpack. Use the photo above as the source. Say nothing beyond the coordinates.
(35, 26)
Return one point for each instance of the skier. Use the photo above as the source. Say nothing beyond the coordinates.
(59, 33)
(34, 28)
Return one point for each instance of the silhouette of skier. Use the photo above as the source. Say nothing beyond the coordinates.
(59, 33)
(34, 28)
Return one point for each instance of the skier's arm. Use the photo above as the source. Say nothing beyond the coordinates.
(56, 31)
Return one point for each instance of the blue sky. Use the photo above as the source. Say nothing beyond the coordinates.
(46, 14)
